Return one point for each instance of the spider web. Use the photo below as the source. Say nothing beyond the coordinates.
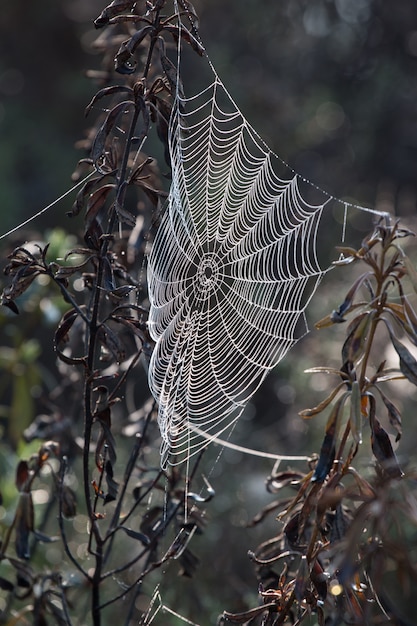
(232, 269)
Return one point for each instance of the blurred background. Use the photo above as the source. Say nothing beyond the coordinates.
(331, 86)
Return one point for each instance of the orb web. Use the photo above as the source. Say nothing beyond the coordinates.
(231, 271)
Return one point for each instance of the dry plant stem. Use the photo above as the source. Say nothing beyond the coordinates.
(62, 525)
(93, 328)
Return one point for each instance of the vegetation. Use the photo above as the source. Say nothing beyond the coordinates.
(97, 524)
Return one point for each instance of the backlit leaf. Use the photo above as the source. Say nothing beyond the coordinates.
(383, 452)
(114, 8)
(356, 412)
(99, 143)
(408, 364)
(328, 448)
(307, 413)
(353, 347)
(23, 524)
(394, 415)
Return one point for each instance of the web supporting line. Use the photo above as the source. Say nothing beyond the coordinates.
(48, 207)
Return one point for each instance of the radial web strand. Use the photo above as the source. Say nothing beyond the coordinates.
(231, 272)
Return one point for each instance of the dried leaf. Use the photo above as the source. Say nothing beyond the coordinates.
(328, 448)
(278, 481)
(66, 271)
(96, 202)
(22, 279)
(99, 143)
(112, 485)
(23, 524)
(22, 475)
(135, 534)
(68, 502)
(62, 337)
(319, 579)
(302, 579)
(357, 331)
(124, 216)
(107, 91)
(307, 413)
(106, 444)
(383, 452)
(123, 62)
(347, 304)
(110, 340)
(394, 415)
(114, 8)
(65, 325)
(411, 272)
(410, 318)
(408, 364)
(356, 413)
(247, 616)
(121, 293)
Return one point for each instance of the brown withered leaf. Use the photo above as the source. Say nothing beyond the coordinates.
(93, 235)
(22, 475)
(68, 502)
(22, 279)
(328, 448)
(62, 337)
(408, 364)
(308, 413)
(96, 202)
(347, 304)
(394, 414)
(114, 8)
(99, 144)
(82, 195)
(108, 275)
(111, 341)
(23, 524)
(302, 579)
(411, 272)
(106, 444)
(132, 44)
(383, 452)
(123, 215)
(381, 444)
(107, 91)
(248, 616)
(355, 419)
(65, 325)
(112, 484)
(356, 337)
(120, 293)
(278, 481)
(64, 272)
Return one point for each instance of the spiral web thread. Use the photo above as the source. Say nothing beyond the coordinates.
(231, 272)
